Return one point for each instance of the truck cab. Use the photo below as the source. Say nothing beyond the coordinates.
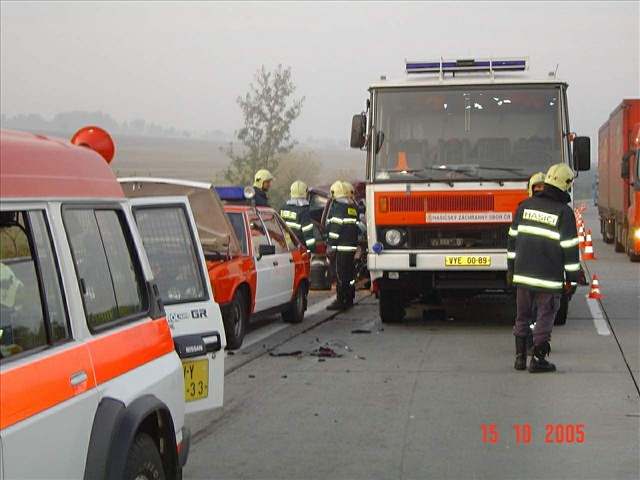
(449, 152)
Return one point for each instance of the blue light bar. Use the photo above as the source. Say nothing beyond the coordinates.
(468, 65)
(231, 193)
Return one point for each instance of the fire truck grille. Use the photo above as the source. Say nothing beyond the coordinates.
(442, 203)
(445, 239)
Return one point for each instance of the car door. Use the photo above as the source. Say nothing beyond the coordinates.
(282, 261)
(266, 284)
(48, 392)
(169, 234)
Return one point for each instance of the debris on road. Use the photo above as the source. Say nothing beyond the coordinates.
(360, 330)
(294, 353)
(325, 352)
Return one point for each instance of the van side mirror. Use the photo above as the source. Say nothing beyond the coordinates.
(266, 250)
(358, 130)
(582, 153)
(624, 166)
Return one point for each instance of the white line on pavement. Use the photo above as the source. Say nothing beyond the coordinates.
(259, 335)
(317, 307)
(598, 318)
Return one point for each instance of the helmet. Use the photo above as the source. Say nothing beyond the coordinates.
(349, 190)
(560, 176)
(299, 189)
(262, 175)
(338, 190)
(535, 179)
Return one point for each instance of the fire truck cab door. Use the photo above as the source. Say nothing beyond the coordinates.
(172, 244)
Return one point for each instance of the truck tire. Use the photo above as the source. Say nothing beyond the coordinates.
(391, 306)
(563, 311)
(619, 239)
(632, 256)
(295, 311)
(235, 319)
(144, 461)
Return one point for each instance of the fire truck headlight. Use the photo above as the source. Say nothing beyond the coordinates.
(394, 237)
(636, 234)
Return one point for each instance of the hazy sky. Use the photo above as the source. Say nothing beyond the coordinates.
(184, 64)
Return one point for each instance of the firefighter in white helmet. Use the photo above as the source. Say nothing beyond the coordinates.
(536, 183)
(262, 183)
(295, 213)
(543, 259)
(342, 221)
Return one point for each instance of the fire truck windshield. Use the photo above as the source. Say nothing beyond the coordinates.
(467, 133)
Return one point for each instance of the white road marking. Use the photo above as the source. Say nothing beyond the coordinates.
(598, 318)
(318, 307)
(259, 335)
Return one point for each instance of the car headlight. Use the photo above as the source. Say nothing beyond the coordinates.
(636, 234)
(394, 237)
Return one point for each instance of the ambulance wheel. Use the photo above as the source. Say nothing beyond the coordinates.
(295, 311)
(144, 461)
(235, 320)
(563, 311)
(391, 306)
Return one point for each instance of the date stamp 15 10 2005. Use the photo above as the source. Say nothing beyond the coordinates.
(565, 433)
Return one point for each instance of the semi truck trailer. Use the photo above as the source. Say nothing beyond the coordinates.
(619, 178)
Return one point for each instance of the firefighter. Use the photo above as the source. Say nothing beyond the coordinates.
(342, 221)
(295, 214)
(536, 183)
(262, 183)
(543, 260)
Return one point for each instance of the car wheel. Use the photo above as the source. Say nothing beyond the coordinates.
(295, 311)
(235, 320)
(391, 306)
(563, 311)
(144, 462)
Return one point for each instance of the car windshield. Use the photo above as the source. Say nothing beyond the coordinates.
(467, 133)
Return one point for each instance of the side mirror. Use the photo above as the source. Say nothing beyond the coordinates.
(358, 130)
(624, 167)
(266, 250)
(582, 153)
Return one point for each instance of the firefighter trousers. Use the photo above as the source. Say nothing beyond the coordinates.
(538, 307)
(345, 277)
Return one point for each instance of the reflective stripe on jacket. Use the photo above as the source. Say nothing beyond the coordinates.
(298, 218)
(342, 226)
(542, 249)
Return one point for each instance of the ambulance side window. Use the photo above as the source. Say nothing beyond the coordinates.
(172, 253)
(32, 313)
(109, 275)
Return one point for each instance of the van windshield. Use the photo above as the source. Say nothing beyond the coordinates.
(467, 133)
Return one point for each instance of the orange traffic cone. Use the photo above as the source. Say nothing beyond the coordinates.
(594, 292)
(588, 254)
(401, 163)
(581, 236)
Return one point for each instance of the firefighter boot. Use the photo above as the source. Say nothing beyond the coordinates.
(538, 363)
(336, 305)
(521, 353)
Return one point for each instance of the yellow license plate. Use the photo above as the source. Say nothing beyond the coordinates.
(196, 379)
(467, 261)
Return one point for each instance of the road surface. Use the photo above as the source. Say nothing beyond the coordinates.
(434, 397)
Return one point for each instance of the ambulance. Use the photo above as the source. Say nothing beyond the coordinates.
(449, 150)
(93, 383)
